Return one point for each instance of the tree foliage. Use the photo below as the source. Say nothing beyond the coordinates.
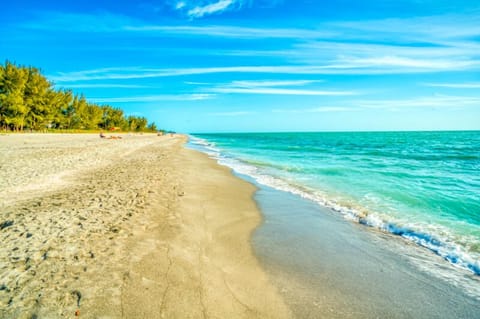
(28, 101)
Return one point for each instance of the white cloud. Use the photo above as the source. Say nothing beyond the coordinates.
(196, 83)
(153, 98)
(314, 51)
(438, 101)
(202, 8)
(275, 87)
(405, 62)
(467, 85)
(390, 46)
(353, 66)
(441, 33)
(235, 113)
(277, 91)
(228, 31)
(103, 86)
(270, 83)
(328, 109)
(431, 102)
(180, 4)
(216, 7)
(321, 109)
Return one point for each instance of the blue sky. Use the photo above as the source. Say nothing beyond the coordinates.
(260, 65)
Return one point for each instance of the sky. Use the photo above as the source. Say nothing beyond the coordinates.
(260, 65)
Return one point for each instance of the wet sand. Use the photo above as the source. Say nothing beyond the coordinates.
(328, 267)
(133, 228)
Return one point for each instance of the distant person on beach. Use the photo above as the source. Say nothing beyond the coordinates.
(111, 137)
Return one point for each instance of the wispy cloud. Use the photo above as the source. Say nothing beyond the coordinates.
(108, 22)
(386, 65)
(199, 9)
(320, 109)
(440, 27)
(215, 7)
(275, 87)
(445, 30)
(101, 74)
(270, 83)
(438, 101)
(422, 55)
(388, 46)
(406, 63)
(237, 32)
(180, 5)
(138, 72)
(278, 91)
(234, 113)
(466, 85)
(371, 47)
(153, 98)
(103, 86)
(355, 105)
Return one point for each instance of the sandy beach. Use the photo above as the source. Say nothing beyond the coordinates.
(138, 227)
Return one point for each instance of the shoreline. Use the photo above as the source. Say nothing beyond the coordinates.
(147, 227)
(137, 227)
(325, 265)
(416, 211)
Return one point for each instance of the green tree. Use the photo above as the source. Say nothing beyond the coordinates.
(80, 106)
(37, 99)
(152, 127)
(132, 123)
(12, 87)
(29, 100)
(64, 110)
(93, 116)
(113, 117)
(61, 109)
(137, 124)
(141, 124)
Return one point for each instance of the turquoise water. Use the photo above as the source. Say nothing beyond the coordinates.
(423, 186)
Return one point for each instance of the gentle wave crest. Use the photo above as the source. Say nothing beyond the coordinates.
(436, 239)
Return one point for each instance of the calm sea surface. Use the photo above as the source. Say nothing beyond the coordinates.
(423, 186)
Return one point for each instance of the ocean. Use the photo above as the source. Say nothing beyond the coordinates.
(421, 186)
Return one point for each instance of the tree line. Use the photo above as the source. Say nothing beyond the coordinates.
(28, 101)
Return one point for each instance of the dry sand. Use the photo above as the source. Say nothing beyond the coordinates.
(133, 228)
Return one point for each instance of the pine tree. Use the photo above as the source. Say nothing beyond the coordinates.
(37, 99)
(29, 101)
(12, 87)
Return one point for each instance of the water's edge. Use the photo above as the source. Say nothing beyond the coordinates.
(423, 260)
(326, 266)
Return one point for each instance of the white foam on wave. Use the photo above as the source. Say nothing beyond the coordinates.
(204, 146)
(443, 247)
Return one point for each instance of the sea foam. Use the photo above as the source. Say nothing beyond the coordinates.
(440, 246)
